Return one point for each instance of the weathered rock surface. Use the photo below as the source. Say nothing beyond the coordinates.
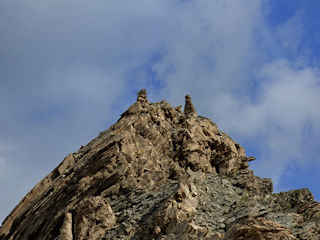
(160, 173)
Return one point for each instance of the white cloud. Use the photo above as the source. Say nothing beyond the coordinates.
(68, 64)
(212, 45)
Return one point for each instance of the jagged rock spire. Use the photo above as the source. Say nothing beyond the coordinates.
(188, 107)
(142, 96)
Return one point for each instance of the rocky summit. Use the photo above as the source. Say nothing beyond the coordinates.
(161, 173)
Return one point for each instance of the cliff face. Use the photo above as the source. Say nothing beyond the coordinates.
(160, 173)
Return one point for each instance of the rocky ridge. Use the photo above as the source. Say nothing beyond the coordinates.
(160, 173)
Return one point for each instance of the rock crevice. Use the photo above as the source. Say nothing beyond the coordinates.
(160, 173)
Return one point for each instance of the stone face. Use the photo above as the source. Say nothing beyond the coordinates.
(160, 173)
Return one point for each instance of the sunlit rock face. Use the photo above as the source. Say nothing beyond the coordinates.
(160, 173)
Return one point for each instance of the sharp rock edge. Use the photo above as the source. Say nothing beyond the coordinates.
(161, 173)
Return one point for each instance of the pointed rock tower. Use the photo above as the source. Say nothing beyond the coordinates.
(160, 173)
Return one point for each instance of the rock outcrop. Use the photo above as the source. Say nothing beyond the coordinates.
(160, 173)
(188, 107)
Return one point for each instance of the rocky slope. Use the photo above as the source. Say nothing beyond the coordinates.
(161, 173)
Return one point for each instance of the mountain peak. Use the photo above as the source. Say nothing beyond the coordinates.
(160, 173)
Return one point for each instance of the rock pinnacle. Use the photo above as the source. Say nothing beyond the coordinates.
(142, 96)
(188, 107)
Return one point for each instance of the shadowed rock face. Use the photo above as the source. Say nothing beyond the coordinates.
(160, 173)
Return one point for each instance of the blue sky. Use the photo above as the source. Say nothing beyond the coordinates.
(68, 69)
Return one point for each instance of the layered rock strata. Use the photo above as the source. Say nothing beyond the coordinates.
(160, 173)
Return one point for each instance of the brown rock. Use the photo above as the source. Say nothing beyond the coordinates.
(258, 229)
(142, 96)
(93, 217)
(66, 229)
(158, 173)
(188, 107)
(157, 230)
